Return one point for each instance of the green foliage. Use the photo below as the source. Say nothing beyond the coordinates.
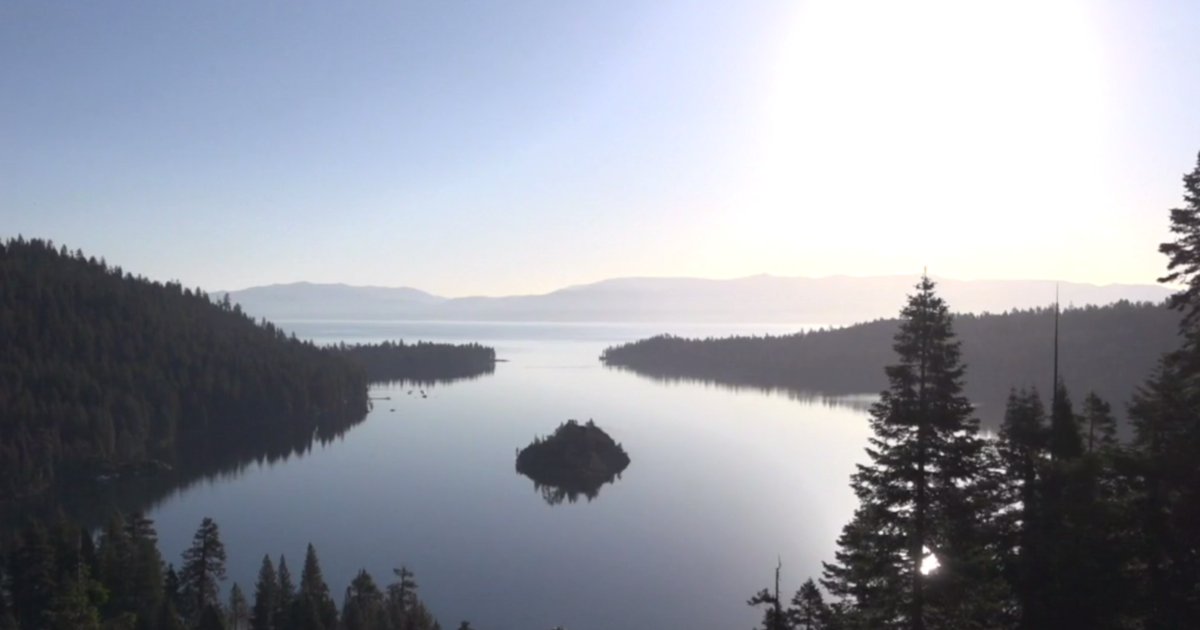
(1183, 255)
(1166, 493)
(46, 600)
(238, 612)
(924, 492)
(203, 568)
(99, 369)
(266, 597)
(317, 607)
(808, 610)
(287, 596)
(74, 606)
(363, 606)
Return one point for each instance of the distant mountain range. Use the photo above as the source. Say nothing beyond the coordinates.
(831, 300)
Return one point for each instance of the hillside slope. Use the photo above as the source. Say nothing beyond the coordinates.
(1109, 350)
(99, 368)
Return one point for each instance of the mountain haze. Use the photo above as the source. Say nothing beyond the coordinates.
(763, 298)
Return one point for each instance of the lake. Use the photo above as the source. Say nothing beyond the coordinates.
(722, 483)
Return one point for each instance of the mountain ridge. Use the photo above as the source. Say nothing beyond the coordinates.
(836, 299)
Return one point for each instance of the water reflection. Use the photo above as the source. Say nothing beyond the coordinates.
(556, 494)
(432, 381)
(849, 399)
(91, 502)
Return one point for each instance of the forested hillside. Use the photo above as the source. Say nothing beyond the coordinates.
(100, 368)
(1106, 349)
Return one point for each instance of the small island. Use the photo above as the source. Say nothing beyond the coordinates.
(576, 459)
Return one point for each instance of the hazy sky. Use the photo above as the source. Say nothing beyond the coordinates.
(472, 147)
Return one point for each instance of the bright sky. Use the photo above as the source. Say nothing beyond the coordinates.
(470, 147)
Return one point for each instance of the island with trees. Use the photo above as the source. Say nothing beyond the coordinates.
(576, 459)
(423, 362)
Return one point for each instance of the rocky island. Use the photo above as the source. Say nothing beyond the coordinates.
(576, 459)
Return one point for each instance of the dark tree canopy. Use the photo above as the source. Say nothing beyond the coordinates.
(422, 362)
(99, 368)
(1103, 349)
(39, 594)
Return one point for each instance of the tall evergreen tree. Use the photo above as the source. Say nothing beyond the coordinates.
(32, 574)
(1099, 426)
(1183, 267)
(1166, 440)
(314, 595)
(1065, 442)
(116, 559)
(172, 591)
(239, 609)
(266, 597)
(1022, 444)
(203, 567)
(73, 608)
(211, 619)
(287, 596)
(809, 611)
(362, 607)
(915, 496)
(401, 602)
(145, 581)
(774, 617)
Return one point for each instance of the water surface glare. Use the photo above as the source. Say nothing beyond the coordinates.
(721, 483)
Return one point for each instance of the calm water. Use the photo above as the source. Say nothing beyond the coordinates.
(722, 484)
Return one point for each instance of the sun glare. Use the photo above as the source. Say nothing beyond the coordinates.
(932, 121)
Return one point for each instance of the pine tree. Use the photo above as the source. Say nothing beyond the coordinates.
(314, 594)
(808, 611)
(73, 607)
(1166, 440)
(774, 617)
(1183, 265)
(287, 596)
(145, 582)
(172, 592)
(168, 618)
(1099, 427)
(266, 597)
(239, 609)
(401, 601)
(917, 496)
(1022, 445)
(115, 557)
(1065, 442)
(33, 580)
(362, 607)
(210, 619)
(203, 567)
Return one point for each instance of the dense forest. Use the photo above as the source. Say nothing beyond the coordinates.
(1103, 349)
(99, 368)
(106, 375)
(63, 578)
(1054, 522)
(422, 362)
